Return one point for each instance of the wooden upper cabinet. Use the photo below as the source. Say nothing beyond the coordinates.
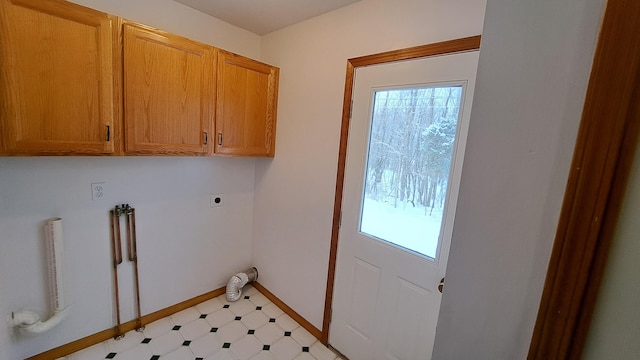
(56, 79)
(168, 93)
(247, 96)
(75, 81)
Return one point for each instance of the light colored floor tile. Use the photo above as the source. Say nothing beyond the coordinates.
(130, 339)
(322, 352)
(286, 322)
(255, 320)
(264, 355)
(233, 331)
(246, 348)
(272, 311)
(206, 345)
(259, 299)
(195, 329)
(158, 328)
(220, 318)
(303, 337)
(269, 333)
(185, 316)
(305, 356)
(141, 351)
(182, 353)
(166, 343)
(286, 348)
(224, 354)
(242, 307)
(210, 306)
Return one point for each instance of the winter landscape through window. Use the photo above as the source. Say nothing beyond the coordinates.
(411, 145)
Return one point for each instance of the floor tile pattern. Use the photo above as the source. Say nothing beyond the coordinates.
(251, 328)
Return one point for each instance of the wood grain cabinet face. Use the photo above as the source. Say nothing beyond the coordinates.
(247, 95)
(56, 79)
(168, 93)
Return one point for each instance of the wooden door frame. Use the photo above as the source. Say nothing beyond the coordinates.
(606, 143)
(442, 48)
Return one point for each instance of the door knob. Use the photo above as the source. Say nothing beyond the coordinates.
(441, 285)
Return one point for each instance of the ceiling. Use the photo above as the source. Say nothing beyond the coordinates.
(264, 16)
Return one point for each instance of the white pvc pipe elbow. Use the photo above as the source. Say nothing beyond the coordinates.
(24, 318)
(29, 321)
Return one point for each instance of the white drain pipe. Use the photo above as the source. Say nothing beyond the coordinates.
(29, 321)
(238, 281)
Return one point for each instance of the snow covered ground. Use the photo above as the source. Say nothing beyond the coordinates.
(406, 226)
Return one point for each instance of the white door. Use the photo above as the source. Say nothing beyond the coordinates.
(405, 149)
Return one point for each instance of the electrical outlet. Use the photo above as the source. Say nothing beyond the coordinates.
(217, 200)
(98, 190)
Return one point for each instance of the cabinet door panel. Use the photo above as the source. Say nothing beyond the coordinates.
(168, 84)
(56, 85)
(246, 106)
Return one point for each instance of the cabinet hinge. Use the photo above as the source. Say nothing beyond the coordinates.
(108, 133)
(220, 139)
(206, 138)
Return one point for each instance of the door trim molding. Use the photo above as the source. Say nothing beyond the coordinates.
(605, 146)
(441, 48)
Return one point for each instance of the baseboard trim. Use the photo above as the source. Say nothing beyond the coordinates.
(128, 326)
(289, 311)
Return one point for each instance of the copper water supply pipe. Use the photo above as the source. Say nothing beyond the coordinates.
(117, 260)
(132, 249)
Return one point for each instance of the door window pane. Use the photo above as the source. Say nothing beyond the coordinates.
(411, 146)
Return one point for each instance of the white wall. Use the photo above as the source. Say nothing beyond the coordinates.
(294, 192)
(614, 331)
(179, 19)
(185, 247)
(535, 60)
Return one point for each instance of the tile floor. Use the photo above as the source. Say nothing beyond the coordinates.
(252, 328)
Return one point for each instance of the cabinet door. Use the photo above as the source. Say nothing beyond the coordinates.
(247, 95)
(168, 93)
(56, 83)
